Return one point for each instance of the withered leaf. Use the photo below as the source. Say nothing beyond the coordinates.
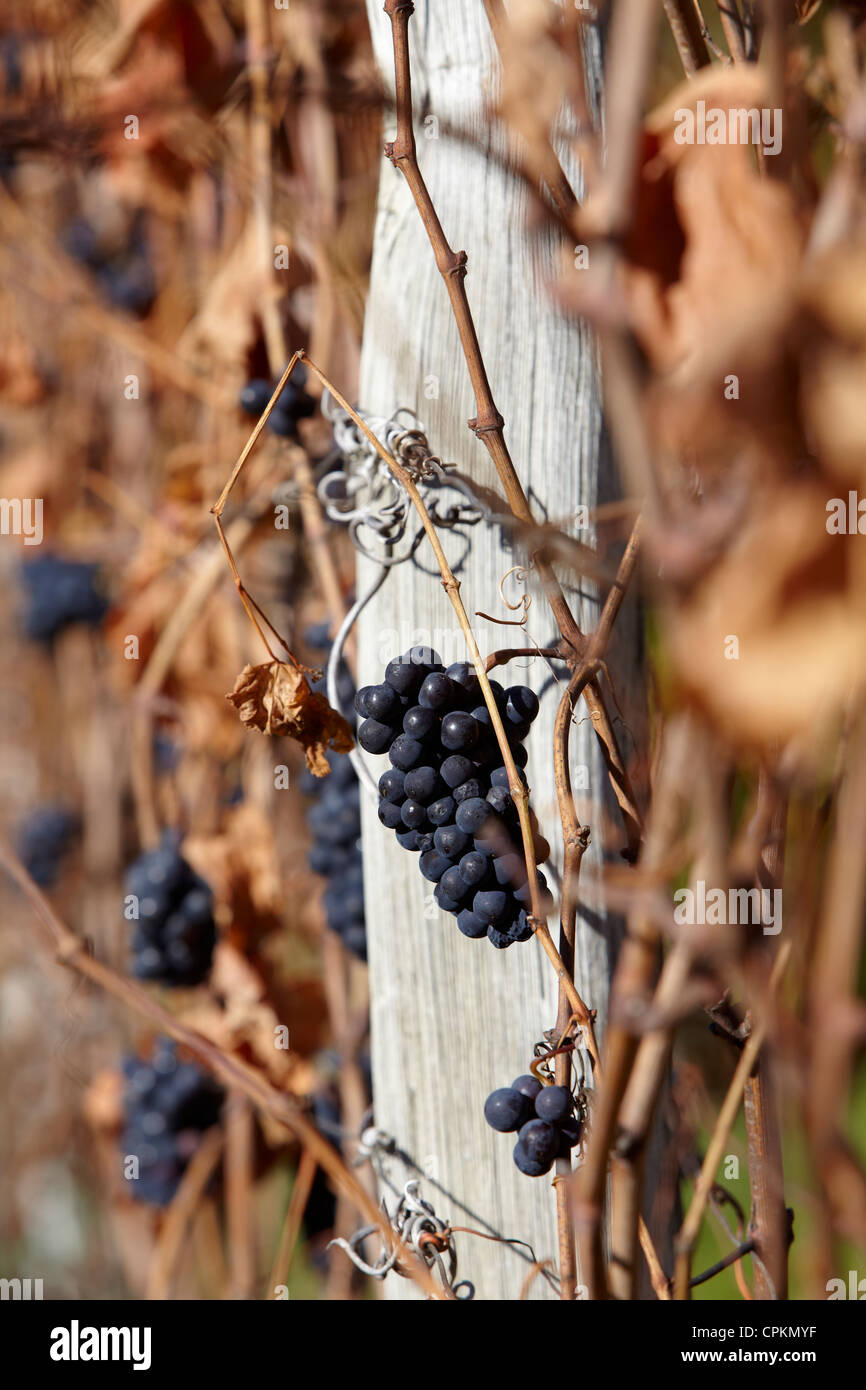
(277, 699)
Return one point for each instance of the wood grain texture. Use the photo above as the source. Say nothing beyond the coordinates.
(451, 1018)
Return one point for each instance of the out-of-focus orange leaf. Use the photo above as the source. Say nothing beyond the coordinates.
(794, 599)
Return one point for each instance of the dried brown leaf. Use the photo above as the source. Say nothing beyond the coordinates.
(277, 699)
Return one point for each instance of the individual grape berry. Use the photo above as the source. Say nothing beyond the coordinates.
(403, 677)
(491, 906)
(570, 1130)
(471, 788)
(520, 755)
(456, 770)
(409, 839)
(424, 657)
(542, 849)
(405, 752)
(473, 868)
(530, 1166)
(374, 737)
(433, 864)
(422, 784)
(521, 704)
(442, 811)
(444, 900)
(414, 814)
(454, 885)
(437, 691)
(295, 400)
(553, 1103)
(255, 396)
(524, 897)
(540, 1140)
(528, 1085)
(520, 929)
(510, 870)
(459, 731)
(392, 786)
(450, 840)
(283, 422)
(462, 673)
(360, 700)
(425, 840)
(499, 777)
(419, 722)
(470, 925)
(391, 816)
(506, 1110)
(500, 799)
(383, 703)
(472, 814)
(501, 940)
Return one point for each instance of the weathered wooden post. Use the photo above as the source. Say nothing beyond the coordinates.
(451, 1018)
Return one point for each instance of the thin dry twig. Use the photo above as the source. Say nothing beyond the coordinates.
(688, 1233)
(686, 29)
(301, 1188)
(169, 1246)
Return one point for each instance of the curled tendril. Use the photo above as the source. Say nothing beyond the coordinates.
(416, 1224)
(364, 495)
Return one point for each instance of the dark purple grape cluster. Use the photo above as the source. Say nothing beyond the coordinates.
(294, 403)
(59, 593)
(175, 932)
(335, 822)
(167, 1107)
(44, 838)
(542, 1117)
(446, 793)
(125, 274)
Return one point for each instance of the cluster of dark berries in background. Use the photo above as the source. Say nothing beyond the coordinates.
(294, 403)
(174, 934)
(335, 822)
(59, 593)
(125, 273)
(446, 793)
(44, 838)
(542, 1117)
(167, 1106)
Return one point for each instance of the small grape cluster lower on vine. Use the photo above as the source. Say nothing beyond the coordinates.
(60, 593)
(167, 1106)
(542, 1117)
(294, 403)
(334, 819)
(175, 933)
(446, 794)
